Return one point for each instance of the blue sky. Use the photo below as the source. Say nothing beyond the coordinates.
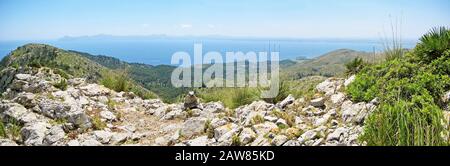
(51, 19)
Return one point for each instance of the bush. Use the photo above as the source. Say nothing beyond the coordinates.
(61, 84)
(283, 92)
(433, 44)
(61, 73)
(118, 82)
(230, 97)
(235, 140)
(257, 120)
(354, 66)
(409, 91)
(97, 123)
(243, 96)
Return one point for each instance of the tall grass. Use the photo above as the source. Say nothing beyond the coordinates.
(118, 82)
(2, 130)
(393, 48)
(402, 125)
(230, 97)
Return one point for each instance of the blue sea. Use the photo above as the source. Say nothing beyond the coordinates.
(160, 51)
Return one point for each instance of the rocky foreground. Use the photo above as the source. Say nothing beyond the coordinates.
(37, 110)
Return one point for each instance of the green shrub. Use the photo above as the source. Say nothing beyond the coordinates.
(243, 96)
(61, 84)
(235, 140)
(10, 129)
(118, 82)
(433, 44)
(230, 97)
(208, 129)
(97, 123)
(142, 92)
(61, 73)
(2, 130)
(409, 90)
(257, 120)
(354, 66)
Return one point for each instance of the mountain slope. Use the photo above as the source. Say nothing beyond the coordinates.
(329, 64)
(66, 63)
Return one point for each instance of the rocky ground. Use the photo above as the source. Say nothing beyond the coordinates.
(37, 110)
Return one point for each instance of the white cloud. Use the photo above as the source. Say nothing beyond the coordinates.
(184, 26)
(211, 26)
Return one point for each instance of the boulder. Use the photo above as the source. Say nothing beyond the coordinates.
(281, 122)
(330, 86)
(7, 142)
(319, 102)
(26, 99)
(308, 135)
(270, 118)
(34, 133)
(118, 138)
(264, 128)
(214, 107)
(279, 140)
(95, 90)
(350, 111)
(247, 135)
(199, 141)
(337, 98)
(54, 135)
(73, 143)
(23, 77)
(161, 141)
(292, 143)
(349, 80)
(336, 135)
(79, 119)
(53, 109)
(220, 131)
(193, 126)
(14, 112)
(108, 115)
(216, 122)
(287, 101)
(103, 136)
(90, 142)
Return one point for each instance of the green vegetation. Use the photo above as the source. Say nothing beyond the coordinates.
(11, 130)
(290, 119)
(61, 84)
(235, 141)
(257, 120)
(231, 97)
(329, 64)
(97, 123)
(62, 63)
(208, 129)
(117, 82)
(354, 66)
(2, 130)
(409, 90)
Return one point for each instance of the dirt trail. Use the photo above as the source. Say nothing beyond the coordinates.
(149, 125)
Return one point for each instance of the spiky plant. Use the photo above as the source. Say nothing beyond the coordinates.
(434, 43)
